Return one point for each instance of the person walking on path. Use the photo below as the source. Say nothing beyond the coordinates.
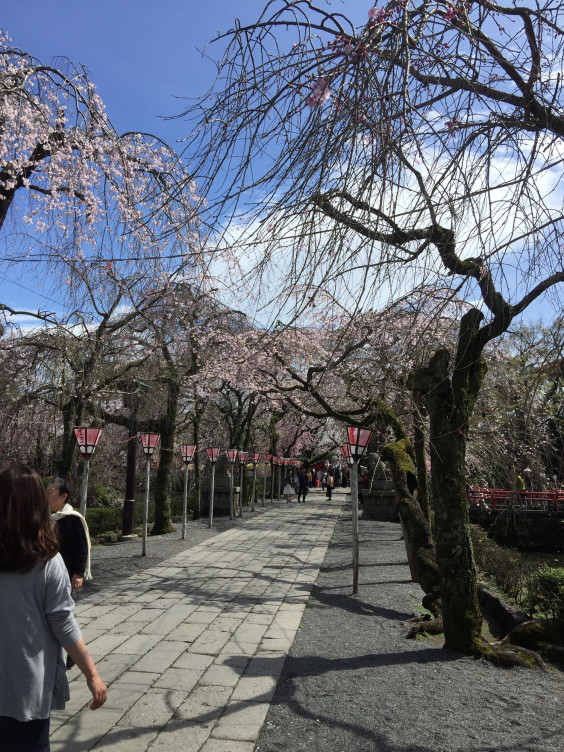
(36, 618)
(330, 484)
(302, 486)
(74, 539)
(72, 530)
(288, 489)
(337, 477)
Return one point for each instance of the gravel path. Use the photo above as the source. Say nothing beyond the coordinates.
(353, 682)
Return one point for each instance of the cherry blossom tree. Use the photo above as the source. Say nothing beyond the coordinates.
(74, 364)
(419, 147)
(72, 188)
(518, 420)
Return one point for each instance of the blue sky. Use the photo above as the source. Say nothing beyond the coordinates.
(139, 53)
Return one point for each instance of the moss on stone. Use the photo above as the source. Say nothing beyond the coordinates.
(533, 634)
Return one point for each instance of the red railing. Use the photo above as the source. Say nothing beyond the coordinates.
(551, 500)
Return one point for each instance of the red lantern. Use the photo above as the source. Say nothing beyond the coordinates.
(358, 440)
(149, 441)
(255, 457)
(346, 453)
(243, 457)
(187, 451)
(231, 454)
(213, 454)
(87, 439)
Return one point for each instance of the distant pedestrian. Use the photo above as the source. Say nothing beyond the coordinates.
(36, 618)
(302, 486)
(337, 477)
(330, 485)
(288, 489)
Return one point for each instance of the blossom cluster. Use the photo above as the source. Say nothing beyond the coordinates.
(320, 93)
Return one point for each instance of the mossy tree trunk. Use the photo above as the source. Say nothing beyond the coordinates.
(450, 395)
(420, 459)
(417, 532)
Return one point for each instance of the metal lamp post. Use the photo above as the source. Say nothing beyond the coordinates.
(149, 441)
(255, 457)
(243, 457)
(231, 456)
(358, 441)
(187, 451)
(213, 455)
(87, 439)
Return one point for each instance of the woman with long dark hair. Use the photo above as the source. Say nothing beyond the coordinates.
(36, 619)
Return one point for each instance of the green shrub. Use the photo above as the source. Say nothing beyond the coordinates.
(104, 520)
(510, 571)
(104, 496)
(546, 592)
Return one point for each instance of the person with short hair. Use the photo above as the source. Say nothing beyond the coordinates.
(72, 530)
(330, 484)
(36, 617)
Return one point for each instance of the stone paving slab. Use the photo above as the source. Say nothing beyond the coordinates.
(192, 648)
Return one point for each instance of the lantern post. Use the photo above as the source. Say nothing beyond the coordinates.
(87, 438)
(149, 442)
(231, 456)
(358, 441)
(187, 451)
(243, 457)
(255, 457)
(213, 455)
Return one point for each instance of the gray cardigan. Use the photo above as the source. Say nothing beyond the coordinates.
(35, 621)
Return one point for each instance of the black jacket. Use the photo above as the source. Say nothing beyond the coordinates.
(74, 546)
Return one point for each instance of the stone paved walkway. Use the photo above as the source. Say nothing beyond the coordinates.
(192, 648)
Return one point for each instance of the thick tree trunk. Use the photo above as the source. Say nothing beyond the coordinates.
(72, 416)
(462, 618)
(450, 398)
(162, 523)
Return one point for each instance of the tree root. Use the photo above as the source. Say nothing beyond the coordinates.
(423, 625)
(508, 655)
(500, 654)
